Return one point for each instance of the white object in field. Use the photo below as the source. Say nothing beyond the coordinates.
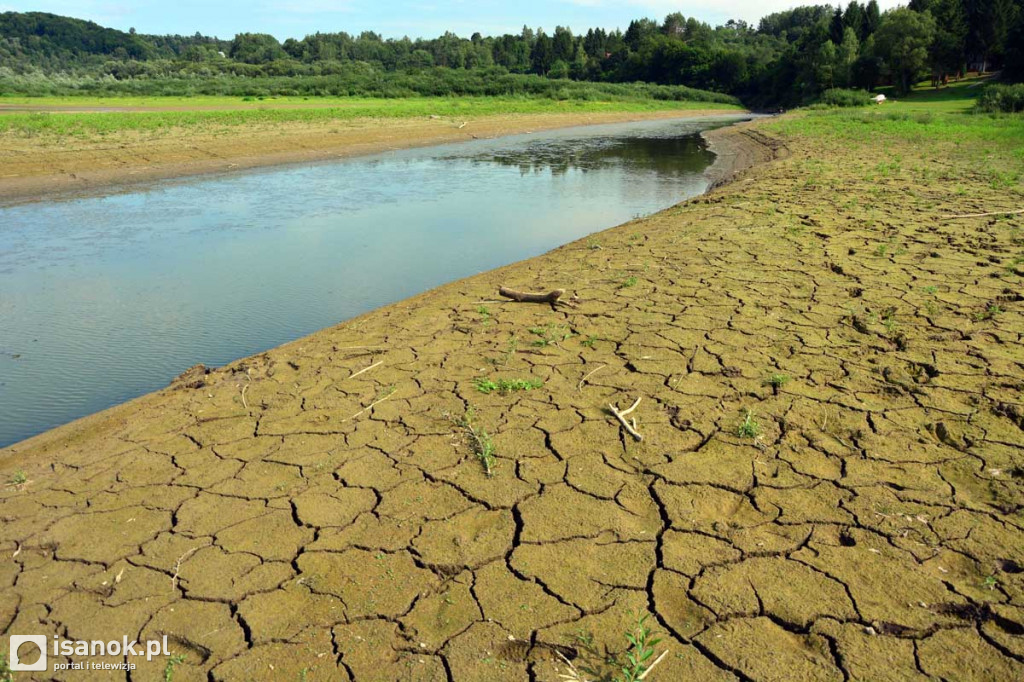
(222, 55)
(878, 99)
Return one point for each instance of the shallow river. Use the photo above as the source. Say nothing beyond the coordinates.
(103, 299)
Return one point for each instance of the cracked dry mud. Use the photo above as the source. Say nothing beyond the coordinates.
(871, 528)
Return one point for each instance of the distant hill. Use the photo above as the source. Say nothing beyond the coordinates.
(51, 41)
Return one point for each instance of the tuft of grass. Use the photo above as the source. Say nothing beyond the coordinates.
(590, 341)
(5, 669)
(549, 335)
(172, 662)
(777, 380)
(485, 385)
(19, 477)
(480, 441)
(628, 283)
(988, 314)
(506, 355)
(485, 315)
(749, 427)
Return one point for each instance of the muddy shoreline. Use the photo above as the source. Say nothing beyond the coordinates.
(124, 161)
(828, 486)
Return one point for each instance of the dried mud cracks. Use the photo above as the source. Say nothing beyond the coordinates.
(870, 529)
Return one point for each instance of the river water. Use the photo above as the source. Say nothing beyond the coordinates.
(106, 298)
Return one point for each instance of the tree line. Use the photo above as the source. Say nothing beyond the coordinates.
(789, 58)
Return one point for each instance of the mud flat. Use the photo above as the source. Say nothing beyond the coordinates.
(829, 484)
(46, 166)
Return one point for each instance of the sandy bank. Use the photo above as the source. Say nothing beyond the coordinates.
(33, 170)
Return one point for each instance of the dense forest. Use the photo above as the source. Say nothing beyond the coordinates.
(789, 58)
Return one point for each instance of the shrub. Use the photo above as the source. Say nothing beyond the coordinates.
(839, 97)
(1002, 98)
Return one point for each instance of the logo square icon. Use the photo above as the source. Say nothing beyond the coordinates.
(15, 663)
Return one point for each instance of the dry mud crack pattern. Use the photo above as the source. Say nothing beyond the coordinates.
(829, 485)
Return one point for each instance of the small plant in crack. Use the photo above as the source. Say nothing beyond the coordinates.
(749, 427)
(174, 661)
(628, 283)
(549, 335)
(479, 440)
(988, 314)
(19, 477)
(990, 582)
(5, 670)
(777, 380)
(506, 355)
(639, 657)
(507, 385)
(590, 341)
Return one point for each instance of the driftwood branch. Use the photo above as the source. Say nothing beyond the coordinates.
(364, 369)
(621, 416)
(656, 662)
(527, 297)
(579, 387)
(982, 215)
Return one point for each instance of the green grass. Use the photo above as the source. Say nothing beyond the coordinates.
(957, 96)
(230, 112)
(749, 427)
(172, 662)
(991, 145)
(480, 441)
(19, 477)
(5, 669)
(777, 380)
(507, 385)
(549, 335)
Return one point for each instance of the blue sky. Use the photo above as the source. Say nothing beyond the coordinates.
(392, 18)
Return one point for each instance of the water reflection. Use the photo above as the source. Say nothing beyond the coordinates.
(668, 156)
(105, 298)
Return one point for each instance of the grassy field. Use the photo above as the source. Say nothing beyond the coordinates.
(198, 112)
(942, 122)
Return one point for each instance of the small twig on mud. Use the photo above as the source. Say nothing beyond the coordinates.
(527, 297)
(656, 662)
(390, 392)
(365, 369)
(982, 215)
(574, 674)
(579, 387)
(177, 566)
(621, 416)
(245, 404)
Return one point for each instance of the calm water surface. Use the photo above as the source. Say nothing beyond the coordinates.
(103, 299)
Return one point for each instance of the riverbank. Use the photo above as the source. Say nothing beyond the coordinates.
(828, 487)
(67, 160)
